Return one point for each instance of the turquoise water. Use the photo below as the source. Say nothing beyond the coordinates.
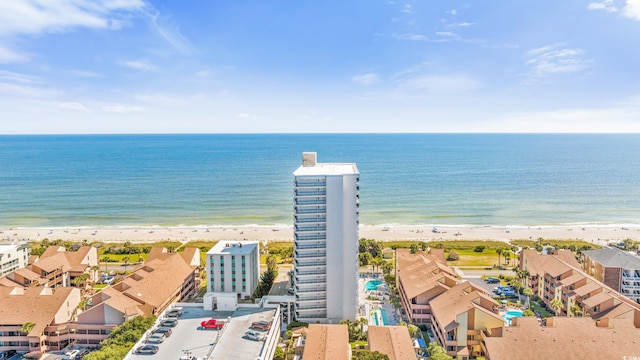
(372, 284)
(480, 179)
(511, 314)
(383, 315)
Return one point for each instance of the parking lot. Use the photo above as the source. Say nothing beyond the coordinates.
(188, 338)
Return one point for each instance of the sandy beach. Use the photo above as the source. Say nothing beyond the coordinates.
(591, 233)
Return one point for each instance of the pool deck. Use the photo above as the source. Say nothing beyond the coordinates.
(367, 307)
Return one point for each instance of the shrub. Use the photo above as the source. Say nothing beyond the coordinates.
(479, 249)
(453, 255)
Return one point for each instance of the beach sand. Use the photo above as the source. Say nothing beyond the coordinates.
(595, 234)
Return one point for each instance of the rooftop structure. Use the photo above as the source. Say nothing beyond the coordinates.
(326, 211)
(327, 342)
(40, 306)
(393, 341)
(421, 277)
(56, 267)
(233, 267)
(616, 268)
(565, 338)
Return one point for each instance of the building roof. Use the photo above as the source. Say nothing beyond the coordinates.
(227, 247)
(56, 256)
(459, 299)
(393, 341)
(327, 342)
(569, 338)
(573, 279)
(587, 288)
(613, 257)
(37, 305)
(310, 167)
(421, 272)
(597, 299)
(154, 282)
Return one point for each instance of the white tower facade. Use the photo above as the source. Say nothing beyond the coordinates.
(326, 212)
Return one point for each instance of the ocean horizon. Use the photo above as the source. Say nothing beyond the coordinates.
(242, 179)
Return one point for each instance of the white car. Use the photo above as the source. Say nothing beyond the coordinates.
(156, 338)
(71, 355)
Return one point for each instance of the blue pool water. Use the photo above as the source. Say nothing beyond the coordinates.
(372, 284)
(379, 314)
(510, 315)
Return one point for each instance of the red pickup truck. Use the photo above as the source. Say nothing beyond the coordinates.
(212, 324)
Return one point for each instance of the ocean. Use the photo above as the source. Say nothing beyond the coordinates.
(242, 179)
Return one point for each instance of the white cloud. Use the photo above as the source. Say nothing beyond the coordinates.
(73, 106)
(460, 25)
(551, 59)
(203, 73)
(453, 12)
(243, 116)
(446, 33)
(606, 5)
(37, 16)
(417, 37)
(85, 73)
(366, 79)
(632, 9)
(143, 65)
(8, 56)
(121, 109)
(442, 84)
(171, 34)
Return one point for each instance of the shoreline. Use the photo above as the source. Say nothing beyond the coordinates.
(597, 234)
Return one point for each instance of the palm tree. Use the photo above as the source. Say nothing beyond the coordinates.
(125, 261)
(27, 327)
(556, 305)
(507, 257)
(518, 286)
(499, 252)
(528, 293)
(576, 310)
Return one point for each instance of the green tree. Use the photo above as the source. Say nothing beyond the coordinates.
(413, 248)
(576, 310)
(528, 293)
(453, 256)
(507, 257)
(27, 327)
(387, 267)
(125, 262)
(556, 305)
(499, 252)
(122, 339)
(278, 353)
(369, 355)
(365, 258)
(518, 286)
(437, 352)
(413, 330)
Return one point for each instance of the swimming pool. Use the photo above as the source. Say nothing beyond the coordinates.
(511, 314)
(372, 284)
(379, 317)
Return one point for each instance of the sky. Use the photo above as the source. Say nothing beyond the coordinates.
(256, 66)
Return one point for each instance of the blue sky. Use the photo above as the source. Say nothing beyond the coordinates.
(136, 66)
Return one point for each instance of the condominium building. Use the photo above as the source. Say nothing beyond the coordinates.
(617, 269)
(560, 277)
(233, 267)
(326, 201)
(13, 257)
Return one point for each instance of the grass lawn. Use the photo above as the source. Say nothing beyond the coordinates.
(540, 310)
(486, 258)
(100, 286)
(361, 343)
(118, 257)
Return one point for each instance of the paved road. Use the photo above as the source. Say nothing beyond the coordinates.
(479, 273)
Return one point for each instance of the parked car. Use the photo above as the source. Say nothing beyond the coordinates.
(212, 324)
(175, 312)
(261, 325)
(162, 330)
(508, 293)
(492, 280)
(171, 322)
(7, 354)
(147, 349)
(70, 355)
(253, 335)
(156, 338)
(501, 289)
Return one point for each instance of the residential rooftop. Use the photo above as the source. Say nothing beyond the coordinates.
(393, 341)
(565, 338)
(228, 247)
(612, 257)
(327, 342)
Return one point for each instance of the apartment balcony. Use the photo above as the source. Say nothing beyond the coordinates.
(309, 184)
(309, 201)
(303, 263)
(310, 287)
(304, 248)
(318, 236)
(310, 218)
(301, 209)
(310, 192)
(310, 254)
(310, 271)
(301, 228)
(312, 314)
(304, 302)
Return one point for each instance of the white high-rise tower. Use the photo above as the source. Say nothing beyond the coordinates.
(325, 256)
